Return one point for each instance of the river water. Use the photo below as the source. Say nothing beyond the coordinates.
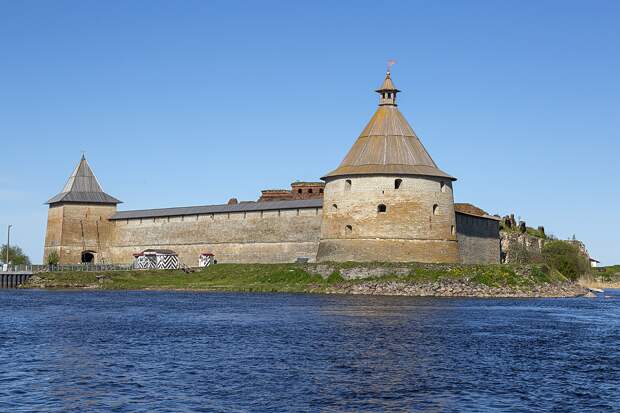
(103, 351)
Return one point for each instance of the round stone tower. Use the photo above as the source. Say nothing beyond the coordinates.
(388, 200)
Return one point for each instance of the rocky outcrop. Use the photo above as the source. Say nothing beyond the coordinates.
(456, 288)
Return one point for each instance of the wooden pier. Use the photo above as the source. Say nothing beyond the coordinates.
(13, 279)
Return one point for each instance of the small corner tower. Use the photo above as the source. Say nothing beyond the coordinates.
(388, 200)
(78, 226)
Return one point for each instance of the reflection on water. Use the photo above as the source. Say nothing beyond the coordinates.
(154, 351)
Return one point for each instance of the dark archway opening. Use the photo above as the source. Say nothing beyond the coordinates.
(88, 257)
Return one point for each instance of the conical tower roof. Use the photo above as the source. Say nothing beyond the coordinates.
(83, 187)
(388, 144)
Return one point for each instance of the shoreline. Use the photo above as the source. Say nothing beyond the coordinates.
(410, 279)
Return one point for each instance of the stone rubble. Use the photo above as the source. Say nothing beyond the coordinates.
(457, 288)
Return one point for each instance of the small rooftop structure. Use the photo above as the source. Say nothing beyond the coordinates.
(299, 190)
(83, 187)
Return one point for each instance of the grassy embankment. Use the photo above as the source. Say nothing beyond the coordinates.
(294, 277)
(605, 277)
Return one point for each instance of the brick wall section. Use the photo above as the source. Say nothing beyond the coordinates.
(478, 239)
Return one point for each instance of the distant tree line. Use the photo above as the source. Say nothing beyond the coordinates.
(16, 256)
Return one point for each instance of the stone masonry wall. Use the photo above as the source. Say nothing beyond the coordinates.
(240, 237)
(478, 239)
(519, 247)
(73, 228)
(418, 223)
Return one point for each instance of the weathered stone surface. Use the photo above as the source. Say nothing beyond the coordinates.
(245, 237)
(418, 223)
(517, 247)
(74, 228)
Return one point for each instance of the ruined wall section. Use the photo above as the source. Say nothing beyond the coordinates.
(517, 247)
(74, 228)
(418, 223)
(237, 237)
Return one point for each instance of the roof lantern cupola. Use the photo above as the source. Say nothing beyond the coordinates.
(388, 91)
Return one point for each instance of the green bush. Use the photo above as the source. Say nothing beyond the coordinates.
(565, 258)
(53, 258)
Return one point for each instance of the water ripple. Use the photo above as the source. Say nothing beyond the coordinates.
(182, 352)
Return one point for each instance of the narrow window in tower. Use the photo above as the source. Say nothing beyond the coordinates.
(348, 229)
(452, 230)
(347, 185)
(442, 186)
(435, 209)
(334, 207)
(381, 208)
(397, 183)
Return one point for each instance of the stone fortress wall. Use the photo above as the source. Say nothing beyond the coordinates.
(478, 239)
(269, 236)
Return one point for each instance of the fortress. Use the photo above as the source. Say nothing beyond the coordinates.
(387, 201)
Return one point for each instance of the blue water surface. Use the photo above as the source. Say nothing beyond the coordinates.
(100, 351)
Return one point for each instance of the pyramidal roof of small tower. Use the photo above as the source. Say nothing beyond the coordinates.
(83, 187)
(387, 84)
(388, 145)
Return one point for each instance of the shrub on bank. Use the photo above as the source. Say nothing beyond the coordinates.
(566, 258)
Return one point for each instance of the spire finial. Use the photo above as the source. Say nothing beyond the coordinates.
(83, 155)
(390, 63)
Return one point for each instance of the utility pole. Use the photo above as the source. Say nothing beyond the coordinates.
(8, 243)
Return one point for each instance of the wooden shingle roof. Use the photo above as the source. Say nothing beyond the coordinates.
(83, 187)
(388, 145)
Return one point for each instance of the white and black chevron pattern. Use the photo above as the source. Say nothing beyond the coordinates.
(205, 260)
(167, 262)
(144, 262)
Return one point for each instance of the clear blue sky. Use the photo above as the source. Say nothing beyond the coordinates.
(194, 102)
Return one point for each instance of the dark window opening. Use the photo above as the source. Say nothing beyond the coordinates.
(397, 183)
(442, 186)
(334, 207)
(310, 190)
(347, 185)
(299, 191)
(320, 191)
(435, 209)
(381, 208)
(348, 229)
